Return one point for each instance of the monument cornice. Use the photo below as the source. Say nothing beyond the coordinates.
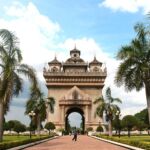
(75, 102)
(85, 74)
(54, 84)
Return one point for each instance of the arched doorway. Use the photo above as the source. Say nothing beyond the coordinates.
(72, 110)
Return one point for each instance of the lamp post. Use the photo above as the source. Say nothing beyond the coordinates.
(99, 123)
(118, 122)
(31, 114)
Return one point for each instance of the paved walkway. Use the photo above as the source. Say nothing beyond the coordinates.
(83, 143)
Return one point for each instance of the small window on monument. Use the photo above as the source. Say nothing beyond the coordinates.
(75, 95)
(75, 55)
(54, 69)
(96, 69)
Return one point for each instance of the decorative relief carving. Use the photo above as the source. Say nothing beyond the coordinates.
(79, 80)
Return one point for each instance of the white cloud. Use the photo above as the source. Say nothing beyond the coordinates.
(38, 34)
(35, 31)
(131, 6)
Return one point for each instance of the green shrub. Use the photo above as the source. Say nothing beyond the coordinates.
(99, 129)
(89, 129)
(132, 142)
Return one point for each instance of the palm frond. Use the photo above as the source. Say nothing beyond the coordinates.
(108, 94)
(17, 53)
(99, 100)
(51, 103)
(141, 32)
(100, 110)
(118, 100)
(124, 52)
(29, 72)
(17, 84)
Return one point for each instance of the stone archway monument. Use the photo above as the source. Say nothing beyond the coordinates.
(75, 85)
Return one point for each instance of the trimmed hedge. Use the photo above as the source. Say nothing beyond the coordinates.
(136, 143)
(6, 145)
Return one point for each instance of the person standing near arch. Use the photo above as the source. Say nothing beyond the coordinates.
(75, 135)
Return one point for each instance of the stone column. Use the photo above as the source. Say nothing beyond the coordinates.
(62, 114)
(86, 114)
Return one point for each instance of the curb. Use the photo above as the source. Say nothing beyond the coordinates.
(119, 144)
(32, 144)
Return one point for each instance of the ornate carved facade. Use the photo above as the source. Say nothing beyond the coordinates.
(74, 84)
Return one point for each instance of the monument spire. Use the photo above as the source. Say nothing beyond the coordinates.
(75, 46)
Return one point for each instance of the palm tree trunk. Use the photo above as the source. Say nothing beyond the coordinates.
(110, 127)
(147, 90)
(38, 125)
(1, 121)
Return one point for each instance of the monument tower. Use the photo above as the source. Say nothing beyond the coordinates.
(74, 85)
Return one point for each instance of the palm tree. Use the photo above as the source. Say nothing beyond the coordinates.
(10, 70)
(108, 107)
(134, 70)
(38, 104)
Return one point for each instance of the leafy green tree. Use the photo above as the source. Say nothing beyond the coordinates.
(129, 122)
(11, 124)
(49, 126)
(117, 124)
(142, 116)
(10, 70)
(99, 129)
(108, 107)
(134, 70)
(141, 126)
(5, 126)
(19, 127)
(68, 126)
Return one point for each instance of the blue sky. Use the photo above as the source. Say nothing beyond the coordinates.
(52, 27)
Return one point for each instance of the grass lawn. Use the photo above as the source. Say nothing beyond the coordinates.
(10, 138)
(10, 141)
(142, 141)
(144, 138)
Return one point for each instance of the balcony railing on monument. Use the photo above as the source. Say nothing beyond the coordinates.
(75, 102)
(48, 73)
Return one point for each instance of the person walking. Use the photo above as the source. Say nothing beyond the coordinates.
(74, 135)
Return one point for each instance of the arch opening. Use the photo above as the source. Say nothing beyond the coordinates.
(76, 115)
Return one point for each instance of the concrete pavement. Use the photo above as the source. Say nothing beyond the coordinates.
(83, 143)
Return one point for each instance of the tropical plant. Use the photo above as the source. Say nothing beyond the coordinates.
(129, 122)
(49, 126)
(134, 69)
(108, 107)
(39, 104)
(10, 70)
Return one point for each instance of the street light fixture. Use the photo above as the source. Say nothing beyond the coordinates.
(118, 120)
(99, 123)
(31, 114)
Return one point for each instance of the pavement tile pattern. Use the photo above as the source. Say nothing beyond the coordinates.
(83, 143)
